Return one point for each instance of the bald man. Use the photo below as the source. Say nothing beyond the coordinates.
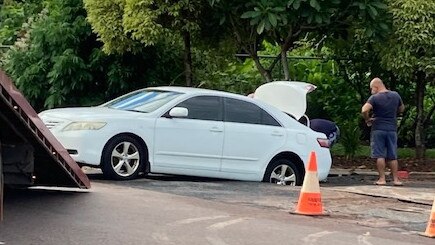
(385, 105)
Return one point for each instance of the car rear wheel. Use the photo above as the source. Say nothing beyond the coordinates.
(122, 158)
(283, 172)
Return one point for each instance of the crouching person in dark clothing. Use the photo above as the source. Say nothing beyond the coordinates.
(329, 128)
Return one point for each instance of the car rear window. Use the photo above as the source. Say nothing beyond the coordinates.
(245, 112)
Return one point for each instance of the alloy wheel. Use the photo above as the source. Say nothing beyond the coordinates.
(283, 175)
(125, 159)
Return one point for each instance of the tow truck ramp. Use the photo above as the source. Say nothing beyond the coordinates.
(29, 153)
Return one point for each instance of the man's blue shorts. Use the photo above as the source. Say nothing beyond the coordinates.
(384, 144)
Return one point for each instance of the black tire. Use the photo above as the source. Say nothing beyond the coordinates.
(123, 158)
(292, 175)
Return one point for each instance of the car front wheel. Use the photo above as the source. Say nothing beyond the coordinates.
(283, 172)
(122, 158)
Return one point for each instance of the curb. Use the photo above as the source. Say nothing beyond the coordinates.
(426, 175)
(338, 172)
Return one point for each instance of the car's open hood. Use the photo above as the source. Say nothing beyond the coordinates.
(289, 97)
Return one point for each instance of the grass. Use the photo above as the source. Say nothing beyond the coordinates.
(338, 150)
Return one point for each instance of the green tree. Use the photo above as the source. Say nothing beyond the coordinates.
(409, 53)
(59, 61)
(127, 25)
(284, 23)
(13, 14)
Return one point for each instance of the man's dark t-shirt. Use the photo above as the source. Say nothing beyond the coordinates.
(385, 107)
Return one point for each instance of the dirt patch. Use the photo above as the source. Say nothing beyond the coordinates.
(409, 164)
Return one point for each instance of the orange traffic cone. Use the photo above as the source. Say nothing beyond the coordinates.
(310, 201)
(430, 230)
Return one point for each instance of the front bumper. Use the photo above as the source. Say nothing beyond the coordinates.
(84, 146)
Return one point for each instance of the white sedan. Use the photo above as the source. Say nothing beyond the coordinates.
(189, 131)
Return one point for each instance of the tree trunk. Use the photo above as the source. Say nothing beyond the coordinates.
(284, 63)
(286, 45)
(187, 59)
(419, 122)
(264, 73)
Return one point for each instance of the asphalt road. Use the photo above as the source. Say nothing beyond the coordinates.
(352, 198)
(182, 210)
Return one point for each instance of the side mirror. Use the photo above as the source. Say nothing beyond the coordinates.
(178, 112)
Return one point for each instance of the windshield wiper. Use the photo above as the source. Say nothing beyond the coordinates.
(136, 110)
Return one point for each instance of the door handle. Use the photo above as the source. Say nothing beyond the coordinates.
(277, 133)
(216, 129)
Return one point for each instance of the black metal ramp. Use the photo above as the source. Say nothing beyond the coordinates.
(23, 131)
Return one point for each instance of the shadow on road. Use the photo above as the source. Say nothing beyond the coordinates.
(163, 177)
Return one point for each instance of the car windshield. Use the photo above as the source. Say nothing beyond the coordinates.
(142, 100)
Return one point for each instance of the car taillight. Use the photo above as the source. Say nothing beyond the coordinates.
(323, 142)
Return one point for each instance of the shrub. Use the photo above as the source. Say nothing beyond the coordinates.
(350, 138)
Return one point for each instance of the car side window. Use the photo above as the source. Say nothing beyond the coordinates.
(245, 112)
(204, 108)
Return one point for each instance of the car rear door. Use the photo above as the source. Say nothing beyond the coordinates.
(194, 142)
(252, 136)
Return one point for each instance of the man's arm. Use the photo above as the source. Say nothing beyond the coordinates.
(401, 108)
(367, 107)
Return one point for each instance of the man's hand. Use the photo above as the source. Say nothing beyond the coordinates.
(369, 121)
(365, 113)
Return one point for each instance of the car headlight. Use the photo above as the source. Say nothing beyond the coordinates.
(84, 126)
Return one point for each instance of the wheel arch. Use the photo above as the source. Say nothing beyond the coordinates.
(293, 157)
(136, 137)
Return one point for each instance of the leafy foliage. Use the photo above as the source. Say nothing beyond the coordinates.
(411, 47)
(61, 62)
(350, 138)
(230, 75)
(137, 23)
(14, 14)
(125, 25)
(285, 22)
(106, 18)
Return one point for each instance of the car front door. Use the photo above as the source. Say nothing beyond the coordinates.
(194, 142)
(251, 137)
